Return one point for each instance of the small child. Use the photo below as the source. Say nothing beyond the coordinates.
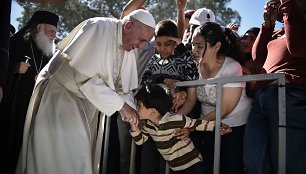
(153, 105)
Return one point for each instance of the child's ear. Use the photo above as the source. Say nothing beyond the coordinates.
(154, 112)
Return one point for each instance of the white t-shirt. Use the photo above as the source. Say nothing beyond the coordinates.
(207, 95)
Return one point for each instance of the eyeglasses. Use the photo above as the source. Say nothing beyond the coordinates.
(198, 45)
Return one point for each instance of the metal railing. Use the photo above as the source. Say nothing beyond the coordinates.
(219, 82)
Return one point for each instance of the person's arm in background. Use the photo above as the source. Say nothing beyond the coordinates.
(259, 51)
(295, 27)
(131, 6)
(181, 5)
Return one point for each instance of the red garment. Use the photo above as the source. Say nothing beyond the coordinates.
(283, 50)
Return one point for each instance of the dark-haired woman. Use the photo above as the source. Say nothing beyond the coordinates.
(220, 56)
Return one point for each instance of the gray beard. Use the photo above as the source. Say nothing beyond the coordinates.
(44, 44)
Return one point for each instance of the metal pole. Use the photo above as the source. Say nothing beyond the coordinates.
(167, 168)
(217, 129)
(282, 111)
(282, 126)
(106, 144)
(132, 159)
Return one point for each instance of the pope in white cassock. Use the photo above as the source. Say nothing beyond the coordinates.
(94, 70)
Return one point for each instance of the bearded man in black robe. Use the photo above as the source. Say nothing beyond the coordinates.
(30, 50)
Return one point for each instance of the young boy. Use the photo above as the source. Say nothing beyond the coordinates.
(166, 67)
(153, 105)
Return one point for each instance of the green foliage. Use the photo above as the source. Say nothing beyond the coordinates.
(75, 11)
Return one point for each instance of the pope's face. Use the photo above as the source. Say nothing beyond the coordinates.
(136, 35)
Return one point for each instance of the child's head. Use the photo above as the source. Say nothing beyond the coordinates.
(152, 100)
(163, 31)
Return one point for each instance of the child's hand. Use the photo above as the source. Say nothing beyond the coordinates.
(225, 129)
(181, 134)
(134, 123)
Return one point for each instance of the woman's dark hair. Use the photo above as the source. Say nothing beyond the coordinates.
(214, 33)
(154, 96)
(166, 27)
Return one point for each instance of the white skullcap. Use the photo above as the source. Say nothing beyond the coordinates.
(143, 16)
(202, 16)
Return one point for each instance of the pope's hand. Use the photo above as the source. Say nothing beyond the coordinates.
(129, 114)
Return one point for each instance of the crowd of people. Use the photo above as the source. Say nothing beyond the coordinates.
(55, 98)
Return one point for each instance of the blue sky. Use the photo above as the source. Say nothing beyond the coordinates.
(250, 11)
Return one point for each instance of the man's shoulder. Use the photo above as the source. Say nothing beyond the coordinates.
(102, 19)
(100, 24)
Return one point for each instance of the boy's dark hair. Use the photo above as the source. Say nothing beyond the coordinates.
(166, 27)
(154, 96)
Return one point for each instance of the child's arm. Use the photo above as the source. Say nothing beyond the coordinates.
(181, 5)
(204, 125)
(189, 124)
(199, 125)
(139, 136)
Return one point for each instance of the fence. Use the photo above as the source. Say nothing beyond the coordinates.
(219, 82)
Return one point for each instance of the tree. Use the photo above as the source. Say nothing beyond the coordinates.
(72, 12)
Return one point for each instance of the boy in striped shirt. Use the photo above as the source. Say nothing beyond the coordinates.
(153, 105)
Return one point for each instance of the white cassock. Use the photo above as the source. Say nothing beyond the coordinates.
(84, 77)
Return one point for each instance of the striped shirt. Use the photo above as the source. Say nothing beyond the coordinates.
(180, 154)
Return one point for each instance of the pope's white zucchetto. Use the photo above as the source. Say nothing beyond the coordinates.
(143, 16)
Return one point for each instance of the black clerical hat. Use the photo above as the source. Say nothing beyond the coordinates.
(44, 17)
(39, 17)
